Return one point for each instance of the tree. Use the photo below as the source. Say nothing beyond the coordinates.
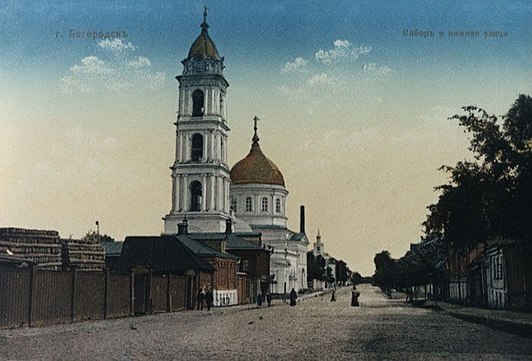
(93, 237)
(491, 196)
(314, 268)
(385, 271)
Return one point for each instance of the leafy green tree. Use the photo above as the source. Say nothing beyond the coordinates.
(93, 237)
(490, 196)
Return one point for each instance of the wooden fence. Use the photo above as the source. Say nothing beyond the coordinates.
(32, 297)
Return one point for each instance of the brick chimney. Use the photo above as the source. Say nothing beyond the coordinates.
(302, 219)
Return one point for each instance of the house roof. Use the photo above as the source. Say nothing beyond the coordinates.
(112, 248)
(236, 242)
(202, 250)
(164, 254)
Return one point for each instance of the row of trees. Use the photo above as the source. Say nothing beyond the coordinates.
(318, 268)
(486, 198)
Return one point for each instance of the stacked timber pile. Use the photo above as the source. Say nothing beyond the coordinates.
(48, 251)
(40, 247)
(83, 255)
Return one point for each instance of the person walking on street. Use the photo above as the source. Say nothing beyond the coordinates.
(293, 297)
(200, 299)
(209, 298)
(354, 297)
(259, 299)
(269, 298)
(333, 298)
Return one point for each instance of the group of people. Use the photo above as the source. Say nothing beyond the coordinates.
(260, 298)
(204, 298)
(354, 296)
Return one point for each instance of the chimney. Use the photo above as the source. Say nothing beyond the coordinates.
(228, 226)
(302, 219)
(182, 228)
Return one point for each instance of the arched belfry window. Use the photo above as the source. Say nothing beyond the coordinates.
(196, 195)
(278, 205)
(196, 153)
(198, 103)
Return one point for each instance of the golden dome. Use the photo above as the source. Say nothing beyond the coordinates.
(256, 168)
(203, 45)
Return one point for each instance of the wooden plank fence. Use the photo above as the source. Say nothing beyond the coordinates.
(33, 297)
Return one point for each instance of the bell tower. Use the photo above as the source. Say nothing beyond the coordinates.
(200, 175)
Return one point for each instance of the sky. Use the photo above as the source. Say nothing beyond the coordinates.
(353, 96)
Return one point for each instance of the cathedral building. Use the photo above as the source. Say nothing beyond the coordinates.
(205, 193)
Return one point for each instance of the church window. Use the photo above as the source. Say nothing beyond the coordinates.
(196, 195)
(233, 204)
(249, 204)
(198, 103)
(197, 147)
(264, 205)
(278, 205)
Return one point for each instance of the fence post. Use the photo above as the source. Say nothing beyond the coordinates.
(106, 294)
(73, 295)
(31, 294)
(132, 293)
(150, 299)
(168, 296)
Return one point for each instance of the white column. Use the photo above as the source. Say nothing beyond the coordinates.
(177, 146)
(185, 193)
(224, 198)
(212, 193)
(186, 148)
(204, 155)
(217, 102)
(204, 193)
(207, 195)
(180, 105)
(215, 146)
(177, 201)
(208, 144)
(174, 196)
(219, 193)
(213, 101)
(257, 204)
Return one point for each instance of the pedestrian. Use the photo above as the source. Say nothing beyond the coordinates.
(269, 298)
(354, 297)
(259, 299)
(200, 299)
(293, 297)
(333, 298)
(209, 298)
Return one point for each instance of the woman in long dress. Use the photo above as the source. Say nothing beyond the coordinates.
(354, 297)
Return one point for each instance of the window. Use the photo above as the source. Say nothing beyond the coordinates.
(264, 205)
(249, 204)
(244, 266)
(198, 99)
(197, 147)
(233, 204)
(278, 205)
(195, 196)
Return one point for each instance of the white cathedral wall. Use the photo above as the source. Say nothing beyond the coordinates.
(257, 192)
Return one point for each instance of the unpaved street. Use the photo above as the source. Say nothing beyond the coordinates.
(316, 329)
